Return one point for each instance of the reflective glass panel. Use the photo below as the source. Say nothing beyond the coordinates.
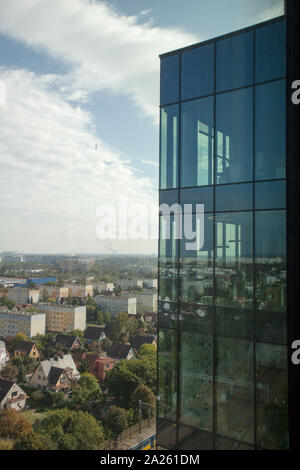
(197, 72)
(169, 147)
(197, 121)
(234, 390)
(234, 262)
(196, 368)
(167, 374)
(234, 137)
(234, 197)
(235, 62)
(169, 79)
(271, 396)
(270, 52)
(270, 195)
(270, 142)
(197, 196)
(270, 274)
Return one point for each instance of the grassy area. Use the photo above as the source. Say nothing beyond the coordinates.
(6, 444)
(33, 415)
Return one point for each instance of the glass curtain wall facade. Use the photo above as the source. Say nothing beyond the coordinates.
(222, 327)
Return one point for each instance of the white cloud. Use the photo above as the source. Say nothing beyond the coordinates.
(106, 49)
(150, 162)
(271, 12)
(52, 177)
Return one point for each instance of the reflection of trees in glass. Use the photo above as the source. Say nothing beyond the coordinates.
(275, 418)
(167, 373)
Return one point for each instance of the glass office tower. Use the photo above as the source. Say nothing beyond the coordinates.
(223, 321)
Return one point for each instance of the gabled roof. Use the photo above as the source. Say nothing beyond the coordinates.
(67, 340)
(119, 350)
(54, 374)
(5, 386)
(94, 332)
(139, 340)
(25, 346)
(63, 363)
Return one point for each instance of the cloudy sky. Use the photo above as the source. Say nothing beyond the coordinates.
(79, 122)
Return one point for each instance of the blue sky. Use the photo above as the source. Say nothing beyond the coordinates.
(79, 125)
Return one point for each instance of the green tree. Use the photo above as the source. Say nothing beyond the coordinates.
(99, 317)
(29, 441)
(143, 393)
(87, 391)
(147, 351)
(115, 420)
(13, 425)
(121, 383)
(106, 317)
(90, 313)
(71, 430)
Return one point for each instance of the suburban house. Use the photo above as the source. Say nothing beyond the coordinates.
(68, 341)
(11, 396)
(94, 333)
(139, 340)
(121, 351)
(57, 374)
(3, 355)
(27, 349)
(98, 366)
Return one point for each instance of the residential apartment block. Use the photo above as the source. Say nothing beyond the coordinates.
(115, 305)
(13, 322)
(63, 318)
(145, 301)
(53, 292)
(22, 295)
(80, 291)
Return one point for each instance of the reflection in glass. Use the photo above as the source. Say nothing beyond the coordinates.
(169, 79)
(270, 273)
(235, 62)
(197, 72)
(235, 389)
(271, 396)
(197, 196)
(234, 137)
(167, 374)
(270, 131)
(193, 439)
(169, 147)
(234, 266)
(270, 195)
(197, 123)
(234, 197)
(196, 368)
(270, 52)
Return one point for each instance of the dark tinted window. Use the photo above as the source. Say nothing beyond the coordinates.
(234, 197)
(197, 72)
(270, 52)
(169, 82)
(270, 195)
(235, 62)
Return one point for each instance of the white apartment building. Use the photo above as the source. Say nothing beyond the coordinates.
(22, 295)
(63, 318)
(145, 301)
(104, 286)
(150, 283)
(127, 283)
(80, 291)
(116, 305)
(13, 322)
(54, 292)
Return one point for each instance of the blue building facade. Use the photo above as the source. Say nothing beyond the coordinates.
(223, 336)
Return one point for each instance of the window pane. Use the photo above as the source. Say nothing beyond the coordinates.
(270, 131)
(193, 439)
(235, 62)
(234, 387)
(167, 374)
(270, 195)
(270, 273)
(166, 434)
(270, 52)
(197, 72)
(197, 196)
(271, 396)
(196, 360)
(234, 262)
(234, 145)
(169, 147)
(197, 121)
(234, 197)
(169, 197)
(169, 79)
